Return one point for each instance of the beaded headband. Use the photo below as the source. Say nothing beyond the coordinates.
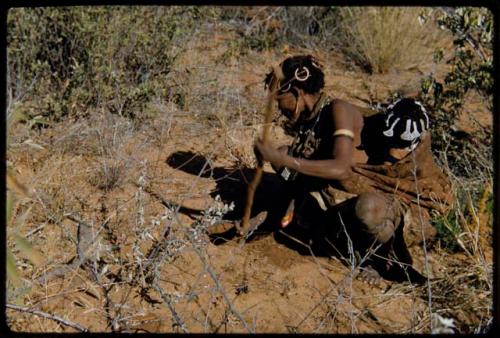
(411, 131)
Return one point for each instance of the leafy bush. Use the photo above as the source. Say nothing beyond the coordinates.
(63, 61)
(471, 70)
(466, 156)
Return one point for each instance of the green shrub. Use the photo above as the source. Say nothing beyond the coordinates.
(63, 61)
(467, 155)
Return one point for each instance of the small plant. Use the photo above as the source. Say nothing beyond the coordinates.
(448, 229)
(215, 212)
(467, 226)
(107, 176)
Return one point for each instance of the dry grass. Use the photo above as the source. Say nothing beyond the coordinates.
(464, 291)
(107, 175)
(384, 38)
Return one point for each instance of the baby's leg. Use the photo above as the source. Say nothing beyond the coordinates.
(379, 215)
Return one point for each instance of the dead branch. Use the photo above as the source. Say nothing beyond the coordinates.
(221, 289)
(166, 298)
(48, 316)
(109, 305)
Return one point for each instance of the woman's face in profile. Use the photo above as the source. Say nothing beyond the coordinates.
(287, 103)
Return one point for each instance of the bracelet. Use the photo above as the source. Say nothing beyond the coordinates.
(344, 132)
(297, 163)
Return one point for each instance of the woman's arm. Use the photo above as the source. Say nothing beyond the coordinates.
(337, 168)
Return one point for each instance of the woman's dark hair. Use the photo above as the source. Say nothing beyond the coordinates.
(301, 71)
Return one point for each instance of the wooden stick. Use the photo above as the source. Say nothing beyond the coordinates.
(268, 118)
(48, 316)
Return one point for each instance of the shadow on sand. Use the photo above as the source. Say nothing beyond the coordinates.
(231, 185)
(271, 196)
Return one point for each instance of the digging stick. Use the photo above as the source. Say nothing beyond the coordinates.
(268, 117)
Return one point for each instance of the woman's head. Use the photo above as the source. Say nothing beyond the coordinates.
(300, 72)
(294, 78)
(405, 121)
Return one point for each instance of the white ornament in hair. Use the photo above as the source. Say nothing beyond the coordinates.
(390, 132)
(315, 64)
(287, 88)
(422, 124)
(389, 107)
(424, 112)
(301, 79)
(408, 135)
(388, 118)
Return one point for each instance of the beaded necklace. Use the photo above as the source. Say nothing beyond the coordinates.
(305, 142)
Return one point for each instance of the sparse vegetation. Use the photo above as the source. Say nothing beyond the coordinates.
(65, 61)
(129, 112)
(466, 153)
(107, 176)
(380, 39)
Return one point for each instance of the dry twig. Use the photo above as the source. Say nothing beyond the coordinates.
(48, 316)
